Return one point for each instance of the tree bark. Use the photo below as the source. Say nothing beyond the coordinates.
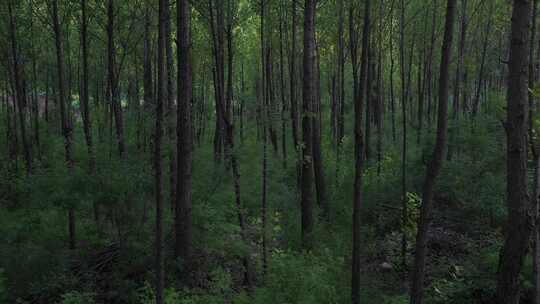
(460, 67)
(292, 78)
(183, 219)
(87, 122)
(158, 138)
(113, 82)
(480, 81)
(308, 90)
(19, 88)
(67, 129)
(520, 217)
(318, 163)
(170, 113)
(359, 159)
(434, 166)
(536, 161)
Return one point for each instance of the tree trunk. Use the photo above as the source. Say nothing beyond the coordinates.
(434, 166)
(229, 133)
(480, 81)
(282, 90)
(67, 129)
(170, 113)
(318, 164)
(308, 90)
(113, 82)
(19, 89)
(536, 161)
(519, 223)
(404, 92)
(147, 75)
(158, 138)
(392, 95)
(183, 219)
(87, 122)
(359, 160)
(292, 78)
(460, 66)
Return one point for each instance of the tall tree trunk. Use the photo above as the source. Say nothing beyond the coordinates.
(392, 95)
(67, 129)
(87, 122)
(460, 66)
(519, 223)
(404, 91)
(113, 82)
(429, 72)
(480, 81)
(19, 88)
(536, 160)
(318, 164)
(183, 219)
(147, 74)
(170, 113)
(229, 131)
(369, 102)
(292, 77)
(158, 138)
(282, 88)
(434, 166)
(359, 160)
(308, 91)
(34, 93)
(339, 87)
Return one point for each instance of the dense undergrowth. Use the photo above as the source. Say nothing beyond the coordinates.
(113, 262)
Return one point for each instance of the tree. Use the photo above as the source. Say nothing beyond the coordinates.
(519, 222)
(158, 163)
(308, 90)
(318, 166)
(19, 88)
(359, 157)
(87, 122)
(113, 82)
(434, 166)
(183, 219)
(67, 129)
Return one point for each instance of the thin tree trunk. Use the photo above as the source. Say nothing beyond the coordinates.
(404, 92)
(318, 164)
(458, 81)
(392, 95)
(480, 81)
(536, 161)
(67, 129)
(19, 89)
(158, 138)
(282, 90)
(308, 90)
(293, 90)
(229, 133)
(87, 122)
(359, 160)
(434, 166)
(113, 82)
(147, 82)
(183, 219)
(170, 112)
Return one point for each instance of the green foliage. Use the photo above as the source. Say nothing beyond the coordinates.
(75, 297)
(303, 278)
(414, 202)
